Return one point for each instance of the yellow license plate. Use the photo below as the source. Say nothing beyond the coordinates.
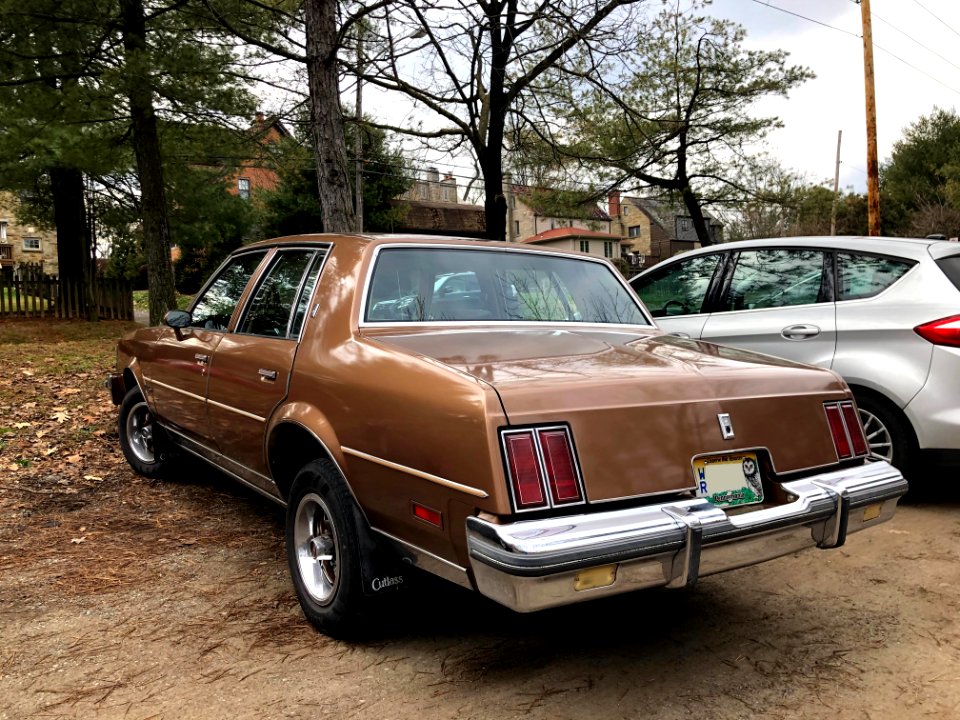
(728, 480)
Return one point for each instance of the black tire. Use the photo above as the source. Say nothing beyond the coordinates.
(888, 432)
(144, 443)
(324, 551)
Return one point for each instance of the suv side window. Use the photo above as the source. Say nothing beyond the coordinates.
(679, 289)
(268, 313)
(863, 276)
(776, 277)
(214, 307)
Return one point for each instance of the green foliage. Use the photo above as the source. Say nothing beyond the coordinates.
(294, 207)
(676, 114)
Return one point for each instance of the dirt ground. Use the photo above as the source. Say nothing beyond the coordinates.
(126, 598)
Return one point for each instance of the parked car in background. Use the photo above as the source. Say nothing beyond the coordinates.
(882, 312)
(508, 418)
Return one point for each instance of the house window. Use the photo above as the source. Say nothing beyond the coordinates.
(448, 194)
(423, 190)
(584, 246)
(626, 209)
(31, 244)
(3, 230)
(243, 188)
(633, 231)
(608, 249)
(516, 228)
(684, 224)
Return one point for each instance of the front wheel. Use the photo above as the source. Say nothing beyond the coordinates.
(324, 551)
(143, 441)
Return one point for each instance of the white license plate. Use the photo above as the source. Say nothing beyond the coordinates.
(728, 480)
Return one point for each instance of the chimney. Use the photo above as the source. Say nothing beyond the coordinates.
(432, 175)
(258, 119)
(613, 200)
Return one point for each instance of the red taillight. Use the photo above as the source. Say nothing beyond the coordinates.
(854, 428)
(525, 470)
(941, 332)
(558, 460)
(845, 427)
(542, 468)
(839, 432)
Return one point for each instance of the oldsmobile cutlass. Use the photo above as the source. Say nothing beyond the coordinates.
(508, 418)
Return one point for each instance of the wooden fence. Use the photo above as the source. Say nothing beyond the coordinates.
(38, 295)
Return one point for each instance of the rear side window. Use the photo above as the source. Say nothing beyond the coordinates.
(776, 277)
(678, 289)
(951, 268)
(863, 276)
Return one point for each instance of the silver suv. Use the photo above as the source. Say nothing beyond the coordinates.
(882, 312)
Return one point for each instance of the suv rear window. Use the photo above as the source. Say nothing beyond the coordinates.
(863, 276)
(951, 268)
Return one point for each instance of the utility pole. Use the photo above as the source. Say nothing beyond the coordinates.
(836, 188)
(358, 138)
(873, 167)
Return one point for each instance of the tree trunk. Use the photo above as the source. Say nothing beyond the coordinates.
(146, 144)
(490, 150)
(326, 118)
(73, 239)
(692, 203)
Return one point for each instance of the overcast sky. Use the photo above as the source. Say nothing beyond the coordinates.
(834, 101)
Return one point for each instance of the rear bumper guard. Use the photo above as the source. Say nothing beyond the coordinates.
(536, 564)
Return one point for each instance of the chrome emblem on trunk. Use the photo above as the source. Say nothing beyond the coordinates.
(726, 425)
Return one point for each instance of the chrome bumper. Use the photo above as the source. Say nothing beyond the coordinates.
(536, 564)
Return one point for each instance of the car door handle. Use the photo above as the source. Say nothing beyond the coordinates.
(800, 332)
(267, 375)
(202, 359)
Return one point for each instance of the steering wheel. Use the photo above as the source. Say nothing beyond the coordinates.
(666, 307)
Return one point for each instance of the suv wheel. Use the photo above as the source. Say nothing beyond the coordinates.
(888, 434)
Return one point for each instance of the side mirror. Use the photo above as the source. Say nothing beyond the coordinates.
(177, 319)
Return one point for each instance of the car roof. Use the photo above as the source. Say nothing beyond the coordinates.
(912, 248)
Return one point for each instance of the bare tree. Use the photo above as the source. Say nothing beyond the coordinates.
(474, 63)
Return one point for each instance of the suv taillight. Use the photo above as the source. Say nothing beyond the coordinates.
(945, 331)
(846, 430)
(542, 468)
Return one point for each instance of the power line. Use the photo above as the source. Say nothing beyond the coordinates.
(940, 20)
(859, 37)
(911, 38)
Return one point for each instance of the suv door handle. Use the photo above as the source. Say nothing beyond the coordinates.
(800, 332)
(268, 375)
(201, 358)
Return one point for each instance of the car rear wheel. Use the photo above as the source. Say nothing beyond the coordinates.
(144, 443)
(324, 551)
(888, 434)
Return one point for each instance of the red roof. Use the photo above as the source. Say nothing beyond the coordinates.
(570, 232)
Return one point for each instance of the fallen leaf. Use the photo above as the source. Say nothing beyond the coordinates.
(61, 416)
(73, 459)
(95, 478)
(77, 541)
(21, 425)
(68, 391)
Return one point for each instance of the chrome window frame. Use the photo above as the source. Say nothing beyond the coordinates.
(362, 322)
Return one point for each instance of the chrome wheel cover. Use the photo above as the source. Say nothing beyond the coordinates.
(878, 436)
(140, 433)
(316, 546)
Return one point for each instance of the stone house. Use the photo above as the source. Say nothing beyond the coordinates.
(526, 218)
(24, 245)
(578, 239)
(653, 230)
(432, 207)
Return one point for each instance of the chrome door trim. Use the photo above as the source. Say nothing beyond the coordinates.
(476, 492)
(426, 560)
(193, 396)
(238, 411)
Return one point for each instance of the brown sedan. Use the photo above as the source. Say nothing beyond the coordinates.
(508, 418)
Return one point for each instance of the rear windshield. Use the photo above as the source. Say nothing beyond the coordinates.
(443, 284)
(951, 268)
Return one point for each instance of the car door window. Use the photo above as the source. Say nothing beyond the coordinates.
(776, 277)
(678, 289)
(863, 276)
(215, 305)
(268, 313)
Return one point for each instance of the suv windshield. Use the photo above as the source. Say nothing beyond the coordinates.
(443, 284)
